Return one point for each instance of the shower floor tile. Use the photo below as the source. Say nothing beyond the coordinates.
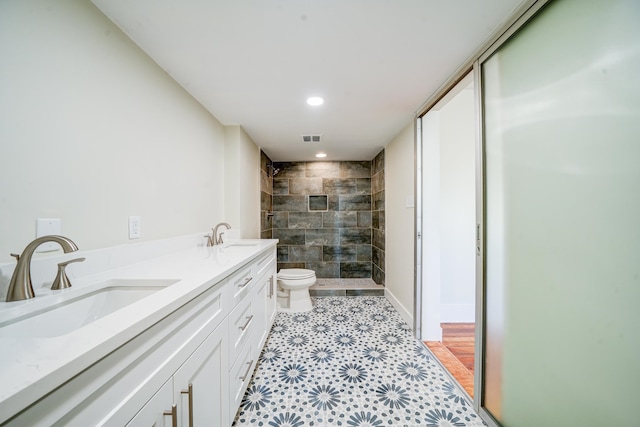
(352, 361)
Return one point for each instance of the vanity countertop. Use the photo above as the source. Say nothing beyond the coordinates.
(31, 367)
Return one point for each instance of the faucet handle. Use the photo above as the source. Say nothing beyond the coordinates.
(64, 264)
(16, 256)
(62, 280)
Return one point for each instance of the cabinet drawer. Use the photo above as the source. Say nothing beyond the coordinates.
(264, 263)
(240, 375)
(242, 321)
(240, 282)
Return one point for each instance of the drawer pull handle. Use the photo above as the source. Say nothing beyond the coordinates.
(246, 282)
(249, 319)
(174, 415)
(189, 392)
(270, 287)
(246, 373)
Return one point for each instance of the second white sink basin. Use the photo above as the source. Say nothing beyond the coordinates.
(79, 309)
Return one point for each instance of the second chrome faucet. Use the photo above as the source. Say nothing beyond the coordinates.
(215, 238)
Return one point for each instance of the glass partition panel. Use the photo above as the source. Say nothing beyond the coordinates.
(561, 103)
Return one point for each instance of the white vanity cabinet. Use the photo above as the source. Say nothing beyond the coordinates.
(182, 371)
(249, 325)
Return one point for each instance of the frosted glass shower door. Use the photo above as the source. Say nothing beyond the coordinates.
(561, 103)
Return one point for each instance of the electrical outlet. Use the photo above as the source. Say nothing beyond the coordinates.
(134, 227)
(48, 227)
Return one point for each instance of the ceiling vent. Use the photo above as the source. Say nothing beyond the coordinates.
(312, 138)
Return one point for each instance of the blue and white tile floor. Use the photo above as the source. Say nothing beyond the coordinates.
(350, 362)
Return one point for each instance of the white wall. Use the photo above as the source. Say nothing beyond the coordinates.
(92, 131)
(242, 182)
(448, 217)
(457, 208)
(399, 221)
(430, 291)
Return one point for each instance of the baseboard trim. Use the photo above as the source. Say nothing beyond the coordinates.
(406, 315)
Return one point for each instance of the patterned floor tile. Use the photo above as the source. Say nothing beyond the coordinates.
(350, 362)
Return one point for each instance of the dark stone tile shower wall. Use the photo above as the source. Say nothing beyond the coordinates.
(266, 196)
(322, 214)
(378, 218)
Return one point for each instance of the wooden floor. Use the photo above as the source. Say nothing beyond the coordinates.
(456, 352)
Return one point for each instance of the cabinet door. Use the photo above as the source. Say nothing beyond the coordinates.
(157, 412)
(262, 317)
(273, 299)
(201, 384)
(265, 302)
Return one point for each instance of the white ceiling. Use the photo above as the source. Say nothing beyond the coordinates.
(255, 62)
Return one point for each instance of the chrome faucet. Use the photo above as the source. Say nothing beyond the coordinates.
(217, 240)
(20, 287)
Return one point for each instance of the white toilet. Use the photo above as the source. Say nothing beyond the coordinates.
(293, 289)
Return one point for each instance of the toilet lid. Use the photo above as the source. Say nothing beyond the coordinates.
(295, 273)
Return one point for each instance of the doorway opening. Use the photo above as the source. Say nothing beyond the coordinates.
(448, 283)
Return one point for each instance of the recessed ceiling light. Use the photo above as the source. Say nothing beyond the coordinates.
(321, 155)
(315, 100)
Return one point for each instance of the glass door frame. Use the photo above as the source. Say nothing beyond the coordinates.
(523, 14)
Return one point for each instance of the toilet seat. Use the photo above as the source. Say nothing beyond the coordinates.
(295, 274)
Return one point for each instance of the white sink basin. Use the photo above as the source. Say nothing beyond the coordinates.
(71, 311)
(238, 244)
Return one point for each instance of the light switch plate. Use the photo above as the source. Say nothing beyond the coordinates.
(409, 203)
(47, 227)
(134, 227)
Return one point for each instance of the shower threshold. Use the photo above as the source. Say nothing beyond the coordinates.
(346, 287)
